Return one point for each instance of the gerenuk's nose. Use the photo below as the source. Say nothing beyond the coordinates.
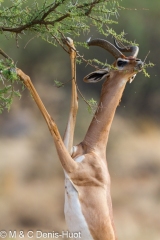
(139, 64)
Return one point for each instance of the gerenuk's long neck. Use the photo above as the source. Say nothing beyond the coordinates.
(98, 132)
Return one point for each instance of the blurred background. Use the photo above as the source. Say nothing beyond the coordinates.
(31, 177)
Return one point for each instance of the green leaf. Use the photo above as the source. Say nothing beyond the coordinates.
(8, 78)
(92, 105)
(58, 84)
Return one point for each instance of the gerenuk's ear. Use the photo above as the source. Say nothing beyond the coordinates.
(96, 76)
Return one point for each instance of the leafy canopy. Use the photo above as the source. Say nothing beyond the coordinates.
(50, 20)
(47, 18)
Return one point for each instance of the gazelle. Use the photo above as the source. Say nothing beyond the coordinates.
(88, 205)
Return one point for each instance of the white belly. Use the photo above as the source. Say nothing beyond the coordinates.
(73, 213)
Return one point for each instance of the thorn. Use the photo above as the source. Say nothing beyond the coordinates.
(89, 39)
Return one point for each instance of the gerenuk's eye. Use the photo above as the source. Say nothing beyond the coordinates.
(121, 63)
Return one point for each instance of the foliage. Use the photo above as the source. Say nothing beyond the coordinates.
(8, 77)
(53, 18)
(146, 65)
(92, 105)
(58, 84)
(51, 21)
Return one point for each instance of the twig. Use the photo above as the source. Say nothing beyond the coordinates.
(77, 53)
(82, 95)
(146, 57)
(30, 40)
(17, 40)
(5, 55)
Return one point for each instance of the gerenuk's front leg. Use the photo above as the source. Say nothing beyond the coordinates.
(69, 133)
(67, 162)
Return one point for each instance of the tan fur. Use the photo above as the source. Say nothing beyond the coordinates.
(92, 182)
(90, 177)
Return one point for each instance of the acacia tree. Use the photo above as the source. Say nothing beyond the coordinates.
(51, 21)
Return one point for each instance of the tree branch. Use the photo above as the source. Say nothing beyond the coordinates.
(5, 55)
(51, 9)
